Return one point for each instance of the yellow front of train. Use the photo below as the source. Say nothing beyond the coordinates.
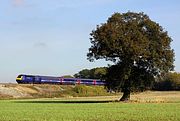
(19, 79)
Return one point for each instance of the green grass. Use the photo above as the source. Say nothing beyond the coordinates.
(86, 109)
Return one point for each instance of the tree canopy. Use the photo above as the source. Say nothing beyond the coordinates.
(95, 73)
(139, 47)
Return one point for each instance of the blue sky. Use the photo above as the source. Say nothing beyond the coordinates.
(51, 37)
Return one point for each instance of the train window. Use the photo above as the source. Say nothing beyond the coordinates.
(19, 76)
(29, 77)
(49, 78)
(37, 78)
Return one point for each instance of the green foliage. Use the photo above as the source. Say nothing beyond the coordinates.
(169, 81)
(85, 73)
(95, 73)
(139, 79)
(138, 46)
(67, 76)
(82, 90)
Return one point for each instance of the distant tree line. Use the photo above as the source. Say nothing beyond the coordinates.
(95, 73)
(166, 82)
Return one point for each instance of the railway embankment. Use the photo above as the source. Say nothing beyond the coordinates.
(31, 91)
(8, 91)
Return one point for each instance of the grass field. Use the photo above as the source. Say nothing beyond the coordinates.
(91, 109)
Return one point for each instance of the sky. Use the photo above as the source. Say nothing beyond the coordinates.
(51, 37)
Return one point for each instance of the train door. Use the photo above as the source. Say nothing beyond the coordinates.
(33, 79)
(78, 81)
(61, 80)
(94, 82)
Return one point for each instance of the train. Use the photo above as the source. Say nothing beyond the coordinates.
(36, 79)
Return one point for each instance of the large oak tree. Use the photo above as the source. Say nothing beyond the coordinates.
(139, 47)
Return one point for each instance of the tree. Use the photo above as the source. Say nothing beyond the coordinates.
(168, 81)
(95, 73)
(99, 73)
(67, 76)
(85, 73)
(138, 46)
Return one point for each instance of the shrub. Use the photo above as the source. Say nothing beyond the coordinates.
(169, 81)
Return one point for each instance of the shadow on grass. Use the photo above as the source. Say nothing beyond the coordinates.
(64, 101)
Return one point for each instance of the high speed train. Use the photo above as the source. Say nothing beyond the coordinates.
(36, 79)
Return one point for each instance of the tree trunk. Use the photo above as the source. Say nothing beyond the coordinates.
(126, 95)
(127, 84)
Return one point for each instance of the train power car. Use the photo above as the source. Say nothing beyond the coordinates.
(36, 79)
